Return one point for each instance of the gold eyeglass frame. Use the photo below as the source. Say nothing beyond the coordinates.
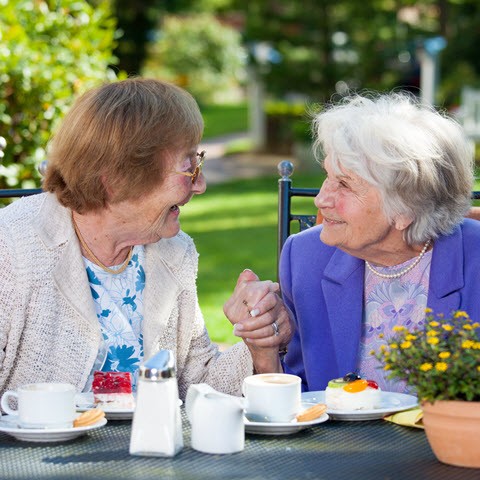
(198, 169)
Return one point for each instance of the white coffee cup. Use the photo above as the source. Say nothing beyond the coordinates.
(42, 405)
(272, 397)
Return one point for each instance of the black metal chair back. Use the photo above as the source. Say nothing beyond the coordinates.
(19, 192)
(285, 215)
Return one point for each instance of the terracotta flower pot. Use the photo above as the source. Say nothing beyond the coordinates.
(453, 431)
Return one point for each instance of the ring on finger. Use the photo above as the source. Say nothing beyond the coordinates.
(246, 304)
(276, 330)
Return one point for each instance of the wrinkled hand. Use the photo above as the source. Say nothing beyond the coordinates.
(253, 308)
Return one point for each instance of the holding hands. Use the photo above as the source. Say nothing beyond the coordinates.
(261, 319)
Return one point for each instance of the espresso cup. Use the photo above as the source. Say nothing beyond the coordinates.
(272, 397)
(42, 405)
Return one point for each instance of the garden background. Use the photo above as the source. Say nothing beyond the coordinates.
(254, 67)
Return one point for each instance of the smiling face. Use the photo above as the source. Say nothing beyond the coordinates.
(155, 215)
(353, 219)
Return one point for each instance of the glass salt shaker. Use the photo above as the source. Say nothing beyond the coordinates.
(157, 424)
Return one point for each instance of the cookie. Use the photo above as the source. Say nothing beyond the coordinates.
(311, 413)
(90, 417)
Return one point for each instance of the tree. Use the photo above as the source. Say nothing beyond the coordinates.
(49, 53)
(199, 53)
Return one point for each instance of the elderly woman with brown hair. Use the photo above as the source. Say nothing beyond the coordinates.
(96, 273)
(393, 240)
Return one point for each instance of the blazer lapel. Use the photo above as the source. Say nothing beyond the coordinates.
(55, 229)
(162, 287)
(447, 273)
(344, 301)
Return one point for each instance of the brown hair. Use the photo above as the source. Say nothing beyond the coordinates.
(117, 136)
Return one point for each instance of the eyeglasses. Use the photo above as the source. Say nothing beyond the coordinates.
(198, 169)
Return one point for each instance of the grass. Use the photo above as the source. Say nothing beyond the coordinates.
(224, 119)
(234, 226)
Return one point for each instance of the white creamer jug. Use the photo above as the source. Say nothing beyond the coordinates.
(157, 424)
(216, 419)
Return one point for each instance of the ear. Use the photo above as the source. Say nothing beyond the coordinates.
(402, 222)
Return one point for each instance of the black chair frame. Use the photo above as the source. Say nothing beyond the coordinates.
(19, 192)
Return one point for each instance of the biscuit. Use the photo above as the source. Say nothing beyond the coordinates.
(311, 413)
(90, 417)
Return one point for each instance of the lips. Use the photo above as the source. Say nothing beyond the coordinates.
(332, 221)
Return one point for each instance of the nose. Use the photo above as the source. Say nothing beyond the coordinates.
(200, 185)
(324, 198)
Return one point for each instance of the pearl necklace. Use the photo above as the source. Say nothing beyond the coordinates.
(95, 259)
(405, 270)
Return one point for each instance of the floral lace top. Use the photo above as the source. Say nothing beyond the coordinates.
(119, 305)
(390, 302)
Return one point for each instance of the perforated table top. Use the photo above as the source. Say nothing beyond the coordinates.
(331, 450)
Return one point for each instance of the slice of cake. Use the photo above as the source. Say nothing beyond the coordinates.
(113, 390)
(352, 393)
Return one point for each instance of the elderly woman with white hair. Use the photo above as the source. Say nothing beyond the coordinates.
(393, 242)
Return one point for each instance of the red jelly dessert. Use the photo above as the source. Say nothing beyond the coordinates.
(113, 390)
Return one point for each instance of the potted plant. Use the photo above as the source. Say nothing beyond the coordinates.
(442, 362)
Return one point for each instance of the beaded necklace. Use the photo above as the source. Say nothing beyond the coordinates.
(405, 270)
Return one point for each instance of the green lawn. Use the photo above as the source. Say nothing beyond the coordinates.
(234, 226)
(224, 119)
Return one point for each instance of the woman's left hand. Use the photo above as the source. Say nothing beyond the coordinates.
(260, 318)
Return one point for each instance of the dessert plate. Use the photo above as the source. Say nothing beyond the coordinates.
(10, 427)
(391, 402)
(283, 428)
(84, 402)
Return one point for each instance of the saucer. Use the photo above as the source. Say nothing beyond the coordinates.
(10, 427)
(283, 428)
(84, 402)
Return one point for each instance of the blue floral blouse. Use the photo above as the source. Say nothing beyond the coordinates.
(119, 305)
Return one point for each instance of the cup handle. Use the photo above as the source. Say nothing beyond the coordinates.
(4, 402)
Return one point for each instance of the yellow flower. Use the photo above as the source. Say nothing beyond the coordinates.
(386, 367)
(460, 313)
(478, 368)
(425, 367)
(476, 346)
(398, 328)
(468, 344)
(441, 366)
(468, 327)
(433, 340)
(447, 327)
(393, 346)
(372, 352)
(434, 323)
(405, 345)
(428, 310)
(444, 354)
(380, 335)
(383, 348)
(410, 337)
(432, 333)
(475, 325)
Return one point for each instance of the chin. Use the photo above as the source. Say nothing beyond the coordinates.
(327, 239)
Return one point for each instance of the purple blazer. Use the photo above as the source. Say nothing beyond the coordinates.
(323, 288)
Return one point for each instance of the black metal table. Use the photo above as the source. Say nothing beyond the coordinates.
(331, 450)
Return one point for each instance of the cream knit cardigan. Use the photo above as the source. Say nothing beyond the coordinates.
(49, 330)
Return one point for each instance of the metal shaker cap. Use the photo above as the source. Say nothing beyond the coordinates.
(159, 367)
